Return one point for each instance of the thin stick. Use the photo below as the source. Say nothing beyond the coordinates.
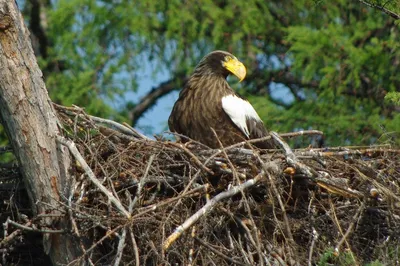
(122, 128)
(348, 152)
(278, 196)
(301, 133)
(217, 252)
(350, 228)
(96, 244)
(135, 247)
(315, 236)
(141, 184)
(120, 249)
(194, 157)
(381, 8)
(136, 132)
(291, 158)
(27, 228)
(208, 207)
(5, 149)
(74, 151)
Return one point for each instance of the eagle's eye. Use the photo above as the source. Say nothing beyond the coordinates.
(228, 58)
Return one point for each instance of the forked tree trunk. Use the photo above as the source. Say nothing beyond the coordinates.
(30, 122)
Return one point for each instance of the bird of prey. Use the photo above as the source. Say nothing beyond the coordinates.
(207, 101)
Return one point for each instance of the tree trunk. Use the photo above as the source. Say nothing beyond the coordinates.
(30, 122)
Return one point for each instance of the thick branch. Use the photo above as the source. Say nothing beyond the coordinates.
(282, 76)
(148, 101)
(35, 25)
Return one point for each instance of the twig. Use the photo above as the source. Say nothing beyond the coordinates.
(5, 149)
(74, 224)
(339, 227)
(74, 262)
(343, 153)
(278, 196)
(208, 207)
(120, 249)
(27, 228)
(135, 247)
(191, 250)
(153, 207)
(141, 184)
(135, 131)
(217, 252)
(8, 237)
(345, 148)
(74, 151)
(381, 8)
(291, 158)
(233, 169)
(315, 236)
(301, 133)
(194, 157)
(122, 128)
(350, 228)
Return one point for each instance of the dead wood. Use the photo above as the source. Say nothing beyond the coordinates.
(244, 207)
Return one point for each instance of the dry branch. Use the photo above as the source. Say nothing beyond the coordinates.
(208, 207)
(74, 151)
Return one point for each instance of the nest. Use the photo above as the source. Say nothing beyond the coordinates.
(155, 202)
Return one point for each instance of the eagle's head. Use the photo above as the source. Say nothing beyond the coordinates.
(220, 63)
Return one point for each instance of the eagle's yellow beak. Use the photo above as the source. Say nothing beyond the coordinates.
(236, 68)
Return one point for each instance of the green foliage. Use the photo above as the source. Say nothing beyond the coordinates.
(343, 259)
(342, 58)
(375, 263)
(393, 97)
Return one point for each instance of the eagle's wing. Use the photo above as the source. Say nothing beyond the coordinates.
(244, 116)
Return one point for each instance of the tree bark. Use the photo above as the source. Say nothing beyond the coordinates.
(30, 122)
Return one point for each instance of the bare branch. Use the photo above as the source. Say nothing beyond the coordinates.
(208, 207)
(381, 8)
(74, 151)
(135, 247)
(217, 252)
(147, 101)
(28, 228)
(283, 76)
(350, 228)
(37, 26)
(141, 184)
(5, 149)
(120, 249)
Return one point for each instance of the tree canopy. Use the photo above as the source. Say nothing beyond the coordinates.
(323, 65)
(95, 185)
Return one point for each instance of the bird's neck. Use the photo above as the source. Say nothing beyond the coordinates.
(207, 81)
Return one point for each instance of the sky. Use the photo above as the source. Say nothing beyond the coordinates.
(154, 121)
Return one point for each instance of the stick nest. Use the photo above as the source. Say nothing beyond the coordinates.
(192, 205)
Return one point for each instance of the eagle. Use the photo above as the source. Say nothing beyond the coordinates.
(207, 101)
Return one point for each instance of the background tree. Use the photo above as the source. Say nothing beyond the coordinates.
(312, 64)
(307, 70)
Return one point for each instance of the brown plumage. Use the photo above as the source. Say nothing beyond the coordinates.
(207, 101)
